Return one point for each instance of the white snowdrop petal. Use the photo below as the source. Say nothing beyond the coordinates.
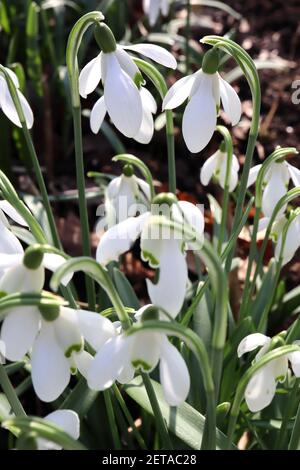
(165, 7)
(146, 131)
(68, 420)
(156, 53)
(273, 192)
(280, 368)
(50, 368)
(90, 76)
(174, 374)
(199, 118)
(179, 92)
(19, 330)
(151, 8)
(251, 342)
(98, 114)
(261, 389)
(230, 101)
(109, 363)
(295, 174)
(209, 167)
(144, 187)
(294, 358)
(145, 350)
(126, 62)
(20, 279)
(148, 100)
(95, 328)
(27, 111)
(193, 215)
(67, 331)
(119, 239)
(253, 175)
(292, 242)
(53, 261)
(83, 362)
(7, 104)
(12, 213)
(169, 292)
(9, 243)
(122, 98)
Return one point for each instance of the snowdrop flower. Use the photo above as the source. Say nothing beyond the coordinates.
(216, 165)
(128, 104)
(152, 9)
(124, 195)
(161, 249)
(67, 420)
(261, 388)
(276, 184)
(122, 355)
(204, 89)
(54, 338)
(7, 104)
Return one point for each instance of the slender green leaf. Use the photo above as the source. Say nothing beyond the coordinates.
(184, 421)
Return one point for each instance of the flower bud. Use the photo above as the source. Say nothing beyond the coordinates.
(105, 38)
(210, 62)
(33, 257)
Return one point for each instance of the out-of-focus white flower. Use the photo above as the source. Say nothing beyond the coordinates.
(7, 104)
(276, 184)
(204, 91)
(216, 165)
(124, 196)
(152, 8)
(128, 104)
(162, 249)
(122, 355)
(67, 420)
(261, 388)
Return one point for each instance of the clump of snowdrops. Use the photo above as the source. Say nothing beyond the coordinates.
(206, 376)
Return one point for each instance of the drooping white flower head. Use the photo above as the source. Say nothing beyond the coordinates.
(7, 104)
(129, 105)
(162, 249)
(216, 165)
(152, 8)
(276, 184)
(261, 388)
(67, 420)
(54, 342)
(122, 355)
(124, 197)
(203, 89)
